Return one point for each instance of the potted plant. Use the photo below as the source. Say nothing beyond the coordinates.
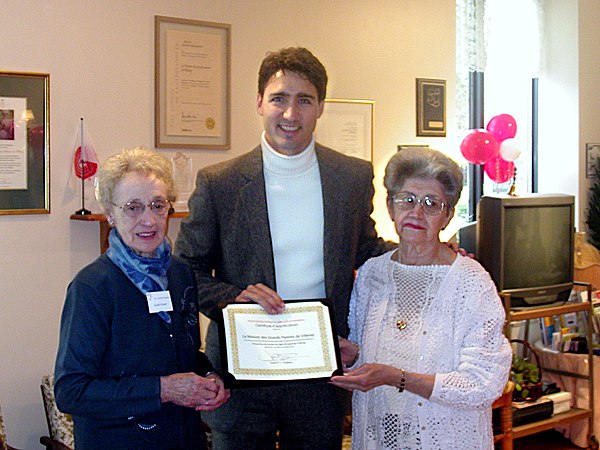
(526, 375)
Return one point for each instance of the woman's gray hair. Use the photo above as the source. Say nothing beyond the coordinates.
(424, 163)
(140, 160)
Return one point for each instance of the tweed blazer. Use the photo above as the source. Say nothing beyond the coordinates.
(227, 241)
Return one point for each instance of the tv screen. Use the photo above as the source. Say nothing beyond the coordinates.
(527, 245)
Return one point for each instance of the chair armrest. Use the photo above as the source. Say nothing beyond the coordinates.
(51, 444)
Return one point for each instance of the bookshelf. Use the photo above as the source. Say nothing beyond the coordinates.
(575, 414)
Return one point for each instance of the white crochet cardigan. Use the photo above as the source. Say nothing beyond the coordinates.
(461, 342)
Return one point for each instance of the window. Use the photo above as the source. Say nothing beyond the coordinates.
(498, 60)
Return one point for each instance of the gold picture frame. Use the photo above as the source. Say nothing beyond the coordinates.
(431, 107)
(24, 143)
(192, 77)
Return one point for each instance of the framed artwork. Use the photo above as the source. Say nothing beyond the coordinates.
(192, 79)
(347, 126)
(407, 146)
(24, 143)
(431, 107)
(592, 152)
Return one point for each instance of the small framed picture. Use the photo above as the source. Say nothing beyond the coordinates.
(592, 152)
(431, 107)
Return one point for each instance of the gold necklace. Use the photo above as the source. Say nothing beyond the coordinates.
(401, 324)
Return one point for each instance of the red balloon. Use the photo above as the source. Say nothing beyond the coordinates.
(502, 127)
(479, 146)
(499, 170)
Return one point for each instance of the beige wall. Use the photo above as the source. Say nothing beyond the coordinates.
(589, 91)
(100, 59)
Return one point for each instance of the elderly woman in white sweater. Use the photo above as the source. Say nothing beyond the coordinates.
(426, 351)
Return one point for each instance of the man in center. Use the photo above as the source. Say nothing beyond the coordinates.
(291, 219)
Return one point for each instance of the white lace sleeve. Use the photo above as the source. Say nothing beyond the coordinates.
(484, 355)
(356, 318)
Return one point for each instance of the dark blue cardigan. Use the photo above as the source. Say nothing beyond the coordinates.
(111, 356)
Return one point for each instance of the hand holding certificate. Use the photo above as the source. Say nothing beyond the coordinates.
(297, 344)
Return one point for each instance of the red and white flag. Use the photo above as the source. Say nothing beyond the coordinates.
(84, 162)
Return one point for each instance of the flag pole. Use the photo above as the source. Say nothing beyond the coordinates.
(82, 211)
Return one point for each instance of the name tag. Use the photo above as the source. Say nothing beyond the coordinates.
(159, 301)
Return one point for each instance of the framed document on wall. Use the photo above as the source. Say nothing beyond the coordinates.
(24, 143)
(431, 107)
(347, 126)
(192, 84)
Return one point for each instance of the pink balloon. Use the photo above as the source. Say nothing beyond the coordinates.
(499, 170)
(503, 126)
(479, 146)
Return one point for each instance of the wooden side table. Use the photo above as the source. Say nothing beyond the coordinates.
(105, 227)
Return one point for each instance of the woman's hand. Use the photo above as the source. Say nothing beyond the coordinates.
(221, 397)
(264, 296)
(348, 351)
(191, 390)
(370, 376)
(367, 377)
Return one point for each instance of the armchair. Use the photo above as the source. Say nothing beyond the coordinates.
(60, 425)
(3, 444)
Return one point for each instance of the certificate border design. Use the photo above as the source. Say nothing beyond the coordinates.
(163, 24)
(232, 382)
(322, 328)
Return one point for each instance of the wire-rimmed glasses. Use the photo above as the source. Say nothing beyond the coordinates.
(406, 201)
(135, 209)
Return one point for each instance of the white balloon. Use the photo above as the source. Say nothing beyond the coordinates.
(509, 151)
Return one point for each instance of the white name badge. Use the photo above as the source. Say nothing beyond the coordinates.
(159, 301)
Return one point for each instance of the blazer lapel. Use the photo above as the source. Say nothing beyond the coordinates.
(332, 206)
(253, 199)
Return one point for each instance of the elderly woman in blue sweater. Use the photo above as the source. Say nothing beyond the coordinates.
(428, 323)
(129, 369)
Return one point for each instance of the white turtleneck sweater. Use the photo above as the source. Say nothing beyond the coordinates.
(295, 210)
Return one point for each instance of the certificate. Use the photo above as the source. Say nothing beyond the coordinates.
(299, 344)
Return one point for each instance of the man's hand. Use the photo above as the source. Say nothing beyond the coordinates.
(456, 249)
(264, 296)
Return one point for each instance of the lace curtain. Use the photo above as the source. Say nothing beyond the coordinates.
(496, 36)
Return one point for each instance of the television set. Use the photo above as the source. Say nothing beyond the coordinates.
(526, 243)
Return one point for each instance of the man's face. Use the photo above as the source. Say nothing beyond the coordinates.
(290, 109)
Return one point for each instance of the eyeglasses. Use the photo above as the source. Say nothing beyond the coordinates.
(135, 209)
(406, 201)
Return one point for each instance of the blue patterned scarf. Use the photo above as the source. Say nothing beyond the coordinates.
(148, 274)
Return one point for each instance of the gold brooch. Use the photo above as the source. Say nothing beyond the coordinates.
(401, 324)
